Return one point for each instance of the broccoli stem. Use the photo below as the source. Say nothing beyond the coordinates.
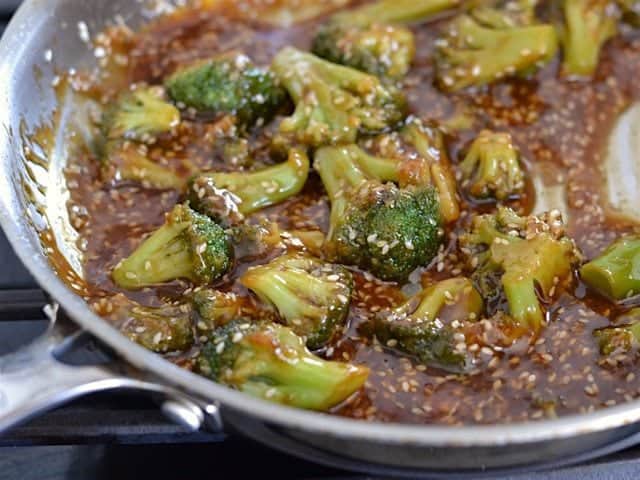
(266, 187)
(312, 240)
(125, 162)
(539, 260)
(453, 290)
(164, 256)
(395, 11)
(379, 168)
(616, 272)
(523, 302)
(307, 382)
(284, 292)
(445, 184)
(588, 27)
(338, 171)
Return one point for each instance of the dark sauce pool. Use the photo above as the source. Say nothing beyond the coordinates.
(561, 128)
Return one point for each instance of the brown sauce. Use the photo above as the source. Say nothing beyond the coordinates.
(563, 125)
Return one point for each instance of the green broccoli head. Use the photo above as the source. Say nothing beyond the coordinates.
(417, 155)
(430, 326)
(188, 246)
(492, 168)
(516, 257)
(227, 84)
(311, 296)
(167, 328)
(215, 308)
(127, 126)
(236, 194)
(616, 272)
(488, 44)
(333, 102)
(378, 49)
(371, 38)
(588, 24)
(270, 361)
(139, 115)
(379, 227)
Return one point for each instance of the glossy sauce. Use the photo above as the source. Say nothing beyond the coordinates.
(561, 128)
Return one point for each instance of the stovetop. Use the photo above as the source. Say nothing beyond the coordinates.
(124, 436)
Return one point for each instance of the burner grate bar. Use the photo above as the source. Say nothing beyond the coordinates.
(17, 305)
(84, 423)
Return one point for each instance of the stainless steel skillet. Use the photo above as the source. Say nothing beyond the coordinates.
(48, 35)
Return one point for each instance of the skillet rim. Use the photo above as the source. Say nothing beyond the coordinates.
(21, 237)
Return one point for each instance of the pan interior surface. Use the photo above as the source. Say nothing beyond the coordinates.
(50, 36)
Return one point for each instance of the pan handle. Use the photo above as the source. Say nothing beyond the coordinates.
(33, 380)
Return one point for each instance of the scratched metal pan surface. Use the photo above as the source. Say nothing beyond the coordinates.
(43, 38)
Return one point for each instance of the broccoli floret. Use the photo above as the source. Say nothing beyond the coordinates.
(163, 329)
(371, 38)
(188, 246)
(616, 272)
(429, 325)
(221, 195)
(129, 162)
(311, 296)
(269, 361)
(588, 24)
(488, 44)
(139, 115)
(126, 126)
(416, 156)
(215, 308)
(334, 102)
(379, 227)
(491, 168)
(227, 84)
(518, 257)
(378, 49)
(622, 338)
